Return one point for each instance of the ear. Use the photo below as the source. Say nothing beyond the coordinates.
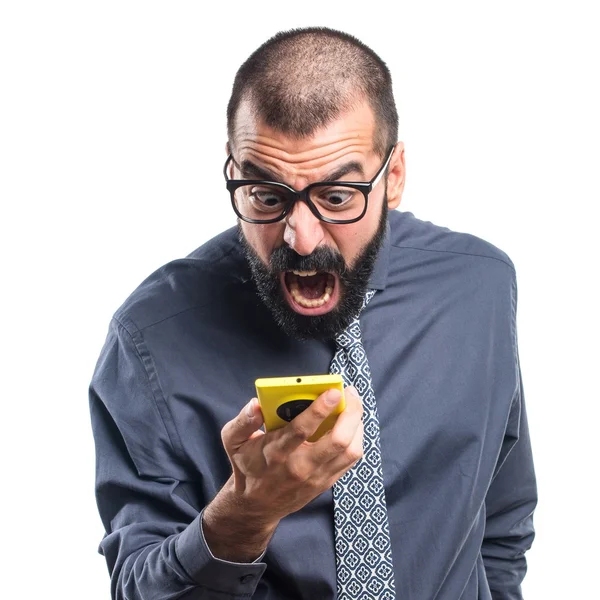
(227, 150)
(396, 177)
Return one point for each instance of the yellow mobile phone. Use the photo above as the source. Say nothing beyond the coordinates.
(283, 398)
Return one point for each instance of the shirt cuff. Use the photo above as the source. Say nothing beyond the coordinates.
(208, 571)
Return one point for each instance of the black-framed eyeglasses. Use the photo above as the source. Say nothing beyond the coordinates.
(261, 201)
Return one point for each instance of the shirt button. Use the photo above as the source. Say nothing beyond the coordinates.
(246, 578)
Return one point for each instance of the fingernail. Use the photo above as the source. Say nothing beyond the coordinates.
(250, 409)
(332, 398)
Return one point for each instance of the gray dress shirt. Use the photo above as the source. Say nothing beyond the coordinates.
(180, 360)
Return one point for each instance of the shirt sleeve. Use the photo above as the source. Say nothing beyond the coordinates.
(153, 545)
(510, 503)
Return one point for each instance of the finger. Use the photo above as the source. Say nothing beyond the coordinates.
(352, 397)
(241, 429)
(341, 463)
(338, 440)
(307, 422)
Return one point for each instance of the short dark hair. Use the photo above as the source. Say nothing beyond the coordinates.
(303, 79)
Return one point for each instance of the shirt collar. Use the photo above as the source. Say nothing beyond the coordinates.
(378, 279)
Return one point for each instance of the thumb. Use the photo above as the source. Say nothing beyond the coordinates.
(241, 428)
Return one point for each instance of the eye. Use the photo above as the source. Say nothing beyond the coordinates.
(335, 197)
(267, 199)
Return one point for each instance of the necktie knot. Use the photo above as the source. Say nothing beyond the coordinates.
(351, 336)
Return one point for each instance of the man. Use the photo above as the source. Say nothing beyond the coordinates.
(198, 501)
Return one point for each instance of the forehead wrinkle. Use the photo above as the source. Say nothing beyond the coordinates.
(274, 146)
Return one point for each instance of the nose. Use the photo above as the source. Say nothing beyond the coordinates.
(303, 231)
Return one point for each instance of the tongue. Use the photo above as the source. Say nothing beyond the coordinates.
(313, 286)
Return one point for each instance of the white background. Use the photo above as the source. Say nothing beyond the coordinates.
(112, 133)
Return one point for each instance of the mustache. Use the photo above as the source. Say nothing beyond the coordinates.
(321, 259)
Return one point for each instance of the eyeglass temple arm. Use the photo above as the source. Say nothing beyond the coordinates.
(383, 168)
(229, 159)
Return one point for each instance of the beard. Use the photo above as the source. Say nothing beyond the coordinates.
(353, 283)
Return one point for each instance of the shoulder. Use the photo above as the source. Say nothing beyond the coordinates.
(438, 266)
(432, 251)
(410, 233)
(183, 284)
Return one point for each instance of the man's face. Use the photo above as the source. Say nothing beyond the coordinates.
(311, 274)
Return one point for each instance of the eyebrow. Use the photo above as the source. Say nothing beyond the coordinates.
(250, 170)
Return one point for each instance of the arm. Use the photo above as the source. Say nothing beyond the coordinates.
(510, 502)
(154, 546)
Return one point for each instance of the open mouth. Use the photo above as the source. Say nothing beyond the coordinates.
(311, 292)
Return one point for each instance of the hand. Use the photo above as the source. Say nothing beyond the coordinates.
(277, 473)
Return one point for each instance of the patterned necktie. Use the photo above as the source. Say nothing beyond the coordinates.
(362, 533)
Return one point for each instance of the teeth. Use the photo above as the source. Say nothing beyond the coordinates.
(304, 273)
(300, 299)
